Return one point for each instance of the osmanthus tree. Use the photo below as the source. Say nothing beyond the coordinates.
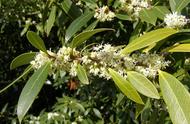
(144, 68)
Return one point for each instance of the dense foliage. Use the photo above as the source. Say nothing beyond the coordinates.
(94, 61)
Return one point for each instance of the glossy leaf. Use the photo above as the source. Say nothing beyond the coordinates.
(125, 86)
(82, 37)
(142, 84)
(22, 59)
(176, 97)
(77, 24)
(81, 73)
(148, 39)
(148, 16)
(51, 20)
(31, 90)
(179, 48)
(36, 41)
(22, 75)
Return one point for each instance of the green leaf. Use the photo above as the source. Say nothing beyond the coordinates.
(82, 37)
(180, 4)
(91, 3)
(142, 84)
(75, 105)
(97, 113)
(81, 73)
(22, 75)
(148, 39)
(161, 11)
(22, 59)
(173, 5)
(70, 9)
(179, 48)
(123, 17)
(26, 27)
(140, 109)
(31, 90)
(176, 97)
(148, 16)
(77, 24)
(51, 20)
(36, 41)
(125, 87)
(92, 25)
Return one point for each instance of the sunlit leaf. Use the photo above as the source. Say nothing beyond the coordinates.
(176, 97)
(142, 84)
(31, 90)
(179, 48)
(125, 86)
(22, 59)
(148, 39)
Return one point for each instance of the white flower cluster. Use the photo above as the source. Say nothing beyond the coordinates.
(135, 6)
(122, 2)
(41, 58)
(175, 20)
(104, 14)
(149, 64)
(34, 120)
(99, 60)
(53, 115)
(48, 117)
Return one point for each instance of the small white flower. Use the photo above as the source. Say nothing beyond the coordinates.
(73, 69)
(93, 55)
(40, 59)
(175, 20)
(86, 60)
(52, 115)
(74, 123)
(104, 14)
